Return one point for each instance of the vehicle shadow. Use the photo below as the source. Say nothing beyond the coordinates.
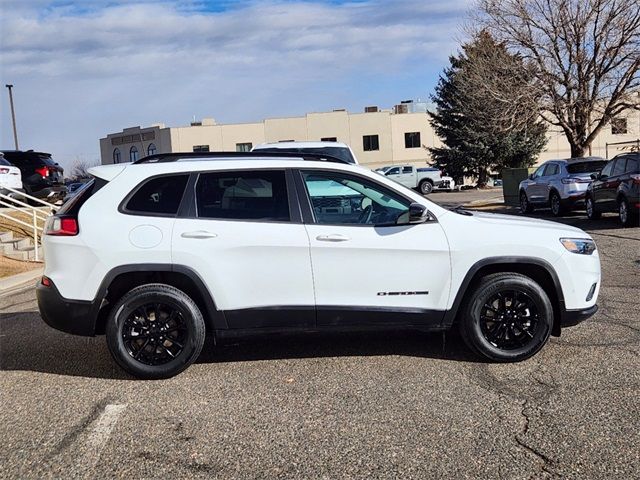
(27, 344)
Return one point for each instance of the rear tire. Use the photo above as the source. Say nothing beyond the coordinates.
(525, 205)
(590, 207)
(425, 187)
(508, 330)
(555, 203)
(155, 331)
(627, 218)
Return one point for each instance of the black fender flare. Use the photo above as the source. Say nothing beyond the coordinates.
(559, 312)
(213, 316)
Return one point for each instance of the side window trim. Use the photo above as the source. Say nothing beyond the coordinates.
(306, 204)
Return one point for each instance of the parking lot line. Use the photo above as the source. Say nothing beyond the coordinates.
(100, 434)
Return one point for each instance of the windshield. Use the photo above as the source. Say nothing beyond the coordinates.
(586, 167)
(339, 152)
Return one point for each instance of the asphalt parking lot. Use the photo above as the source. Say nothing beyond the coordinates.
(406, 405)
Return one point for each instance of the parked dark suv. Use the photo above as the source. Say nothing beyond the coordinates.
(616, 188)
(41, 176)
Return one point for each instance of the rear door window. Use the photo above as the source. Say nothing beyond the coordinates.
(552, 169)
(158, 196)
(633, 165)
(243, 195)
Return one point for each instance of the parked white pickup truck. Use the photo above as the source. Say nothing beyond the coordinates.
(425, 179)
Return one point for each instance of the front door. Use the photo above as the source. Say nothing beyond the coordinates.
(247, 242)
(369, 266)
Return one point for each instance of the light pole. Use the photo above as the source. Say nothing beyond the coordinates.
(13, 116)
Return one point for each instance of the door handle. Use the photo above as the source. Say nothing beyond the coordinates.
(335, 237)
(200, 235)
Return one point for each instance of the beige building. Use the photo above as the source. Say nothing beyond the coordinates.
(377, 137)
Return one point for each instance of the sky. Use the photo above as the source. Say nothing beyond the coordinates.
(82, 69)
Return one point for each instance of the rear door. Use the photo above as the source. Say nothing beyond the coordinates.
(534, 188)
(243, 234)
(599, 187)
(367, 268)
(611, 184)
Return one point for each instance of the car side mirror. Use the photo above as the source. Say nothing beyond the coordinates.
(418, 213)
(594, 176)
(531, 176)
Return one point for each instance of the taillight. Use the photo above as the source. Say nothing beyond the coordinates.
(43, 171)
(573, 180)
(61, 226)
(4, 170)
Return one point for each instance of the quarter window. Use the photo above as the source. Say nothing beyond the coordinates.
(133, 154)
(244, 195)
(339, 199)
(412, 140)
(370, 143)
(159, 196)
(117, 158)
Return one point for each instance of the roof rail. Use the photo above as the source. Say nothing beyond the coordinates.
(174, 157)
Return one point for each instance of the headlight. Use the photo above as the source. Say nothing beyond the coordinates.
(579, 245)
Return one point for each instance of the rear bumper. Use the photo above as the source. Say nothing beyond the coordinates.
(569, 318)
(70, 316)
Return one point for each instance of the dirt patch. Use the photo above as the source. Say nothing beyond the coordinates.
(10, 267)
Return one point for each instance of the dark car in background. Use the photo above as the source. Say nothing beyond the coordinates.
(41, 176)
(616, 188)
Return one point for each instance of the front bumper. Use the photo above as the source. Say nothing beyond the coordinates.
(71, 316)
(569, 318)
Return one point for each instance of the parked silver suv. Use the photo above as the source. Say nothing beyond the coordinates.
(559, 184)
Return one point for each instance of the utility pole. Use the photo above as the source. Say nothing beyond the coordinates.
(13, 116)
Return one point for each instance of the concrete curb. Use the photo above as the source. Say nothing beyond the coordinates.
(17, 282)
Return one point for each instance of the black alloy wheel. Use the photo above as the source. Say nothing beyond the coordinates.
(506, 317)
(509, 319)
(155, 331)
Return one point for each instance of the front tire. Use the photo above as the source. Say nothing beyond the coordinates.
(155, 331)
(507, 318)
(425, 187)
(627, 219)
(525, 205)
(590, 207)
(555, 203)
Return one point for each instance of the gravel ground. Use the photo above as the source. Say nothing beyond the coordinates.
(401, 405)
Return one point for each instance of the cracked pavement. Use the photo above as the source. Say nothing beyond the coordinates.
(402, 405)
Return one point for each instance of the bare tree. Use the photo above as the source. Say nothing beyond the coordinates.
(586, 55)
(80, 168)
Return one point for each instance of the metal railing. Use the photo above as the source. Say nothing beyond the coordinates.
(34, 217)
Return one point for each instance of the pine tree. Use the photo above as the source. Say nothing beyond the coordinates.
(486, 112)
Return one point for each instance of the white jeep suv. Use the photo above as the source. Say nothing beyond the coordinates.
(160, 252)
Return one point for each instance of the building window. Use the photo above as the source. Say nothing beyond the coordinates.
(244, 147)
(117, 158)
(201, 148)
(133, 154)
(370, 143)
(618, 126)
(329, 139)
(412, 140)
(151, 149)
